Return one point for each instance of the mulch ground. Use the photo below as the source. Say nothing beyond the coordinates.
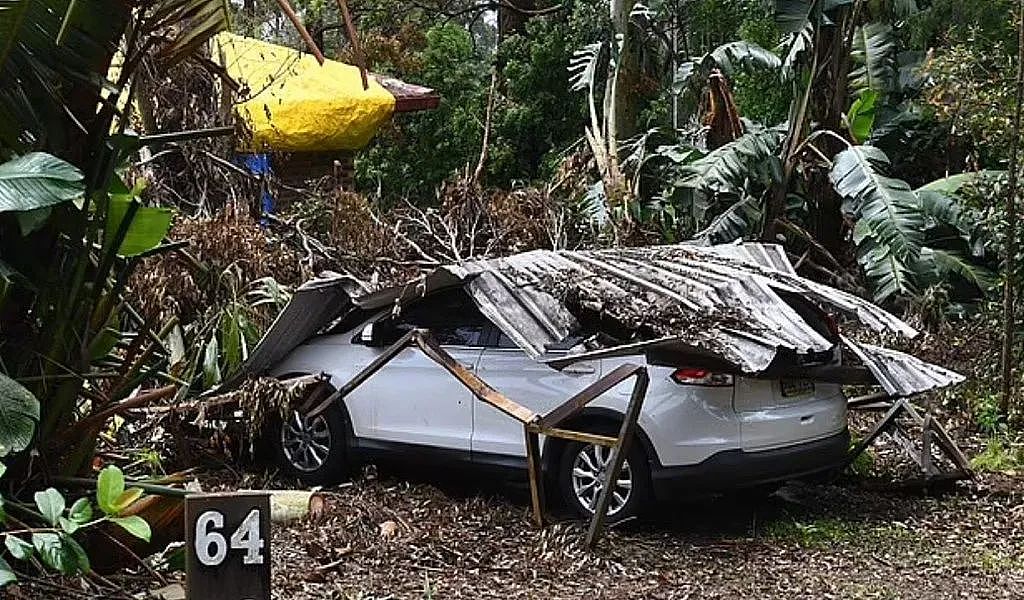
(415, 535)
(389, 539)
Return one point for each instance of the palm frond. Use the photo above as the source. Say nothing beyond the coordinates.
(728, 168)
(890, 224)
(739, 55)
(197, 21)
(737, 222)
(873, 52)
(583, 66)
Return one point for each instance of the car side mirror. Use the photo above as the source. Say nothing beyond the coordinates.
(376, 334)
(366, 336)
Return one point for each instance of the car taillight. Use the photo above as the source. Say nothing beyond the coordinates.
(833, 326)
(695, 376)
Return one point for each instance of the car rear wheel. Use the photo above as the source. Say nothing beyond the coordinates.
(582, 470)
(312, 449)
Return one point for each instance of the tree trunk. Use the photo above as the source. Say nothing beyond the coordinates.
(1009, 299)
(626, 101)
(512, 21)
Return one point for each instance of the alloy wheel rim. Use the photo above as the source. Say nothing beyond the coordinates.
(306, 441)
(588, 473)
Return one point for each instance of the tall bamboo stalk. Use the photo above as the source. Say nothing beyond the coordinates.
(1010, 234)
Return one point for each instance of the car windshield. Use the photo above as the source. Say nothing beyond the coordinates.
(450, 315)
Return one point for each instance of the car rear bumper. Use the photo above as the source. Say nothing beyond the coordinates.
(737, 469)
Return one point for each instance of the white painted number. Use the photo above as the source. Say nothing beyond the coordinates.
(205, 539)
(247, 537)
(211, 548)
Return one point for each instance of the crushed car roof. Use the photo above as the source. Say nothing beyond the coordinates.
(724, 305)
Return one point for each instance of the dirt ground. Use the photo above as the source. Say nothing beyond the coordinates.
(420, 535)
(384, 538)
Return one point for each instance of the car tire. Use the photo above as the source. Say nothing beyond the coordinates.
(580, 491)
(312, 450)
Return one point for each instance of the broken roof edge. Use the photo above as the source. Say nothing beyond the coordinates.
(409, 97)
(515, 295)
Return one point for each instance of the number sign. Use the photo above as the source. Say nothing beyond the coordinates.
(227, 546)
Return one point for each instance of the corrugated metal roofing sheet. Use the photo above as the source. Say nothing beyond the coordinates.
(724, 300)
(901, 374)
(720, 303)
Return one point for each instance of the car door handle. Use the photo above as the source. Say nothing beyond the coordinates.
(465, 366)
(579, 370)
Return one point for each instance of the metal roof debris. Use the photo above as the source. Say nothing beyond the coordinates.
(733, 305)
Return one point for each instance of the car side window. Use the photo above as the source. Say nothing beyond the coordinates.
(450, 315)
(505, 342)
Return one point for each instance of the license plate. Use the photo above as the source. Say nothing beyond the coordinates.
(796, 387)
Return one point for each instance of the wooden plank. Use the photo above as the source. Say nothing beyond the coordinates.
(358, 379)
(574, 405)
(879, 427)
(869, 400)
(926, 447)
(903, 441)
(952, 450)
(536, 474)
(578, 436)
(912, 411)
(478, 386)
(619, 451)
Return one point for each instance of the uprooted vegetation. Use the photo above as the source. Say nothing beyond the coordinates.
(136, 276)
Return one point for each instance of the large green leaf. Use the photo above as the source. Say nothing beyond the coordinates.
(727, 58)
(953, 183)
(941, 209)
(61, 553)
(37, 180)
(793, 16)
(728, 168)
(148, 226)
(19, 414)
(6, 573)
(734, 223)
(134, 525)
(861, 118)
(109, 487)
(51, 504)
(890, 223)
(874, 47)
(937, 265)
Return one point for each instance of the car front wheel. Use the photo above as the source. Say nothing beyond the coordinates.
(312, 449)
(582, 472)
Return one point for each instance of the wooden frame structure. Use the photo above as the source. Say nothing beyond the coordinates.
(534, 424)
(932, 436)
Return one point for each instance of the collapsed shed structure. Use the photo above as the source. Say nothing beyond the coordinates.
(729, 306)
(738, 308)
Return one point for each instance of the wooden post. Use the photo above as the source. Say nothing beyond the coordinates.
(536, 473)
(294, 18)
(353, 39)
(619, 452)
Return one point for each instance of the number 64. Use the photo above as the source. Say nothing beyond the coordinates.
(212, 548)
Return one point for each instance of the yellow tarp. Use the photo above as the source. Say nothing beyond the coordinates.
(293, 104)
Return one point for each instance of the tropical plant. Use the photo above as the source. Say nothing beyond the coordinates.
(80, 228)
(818, 181)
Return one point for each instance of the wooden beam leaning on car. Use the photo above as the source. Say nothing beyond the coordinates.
(534, 424)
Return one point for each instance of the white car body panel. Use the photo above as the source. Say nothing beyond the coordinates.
(414, 401)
